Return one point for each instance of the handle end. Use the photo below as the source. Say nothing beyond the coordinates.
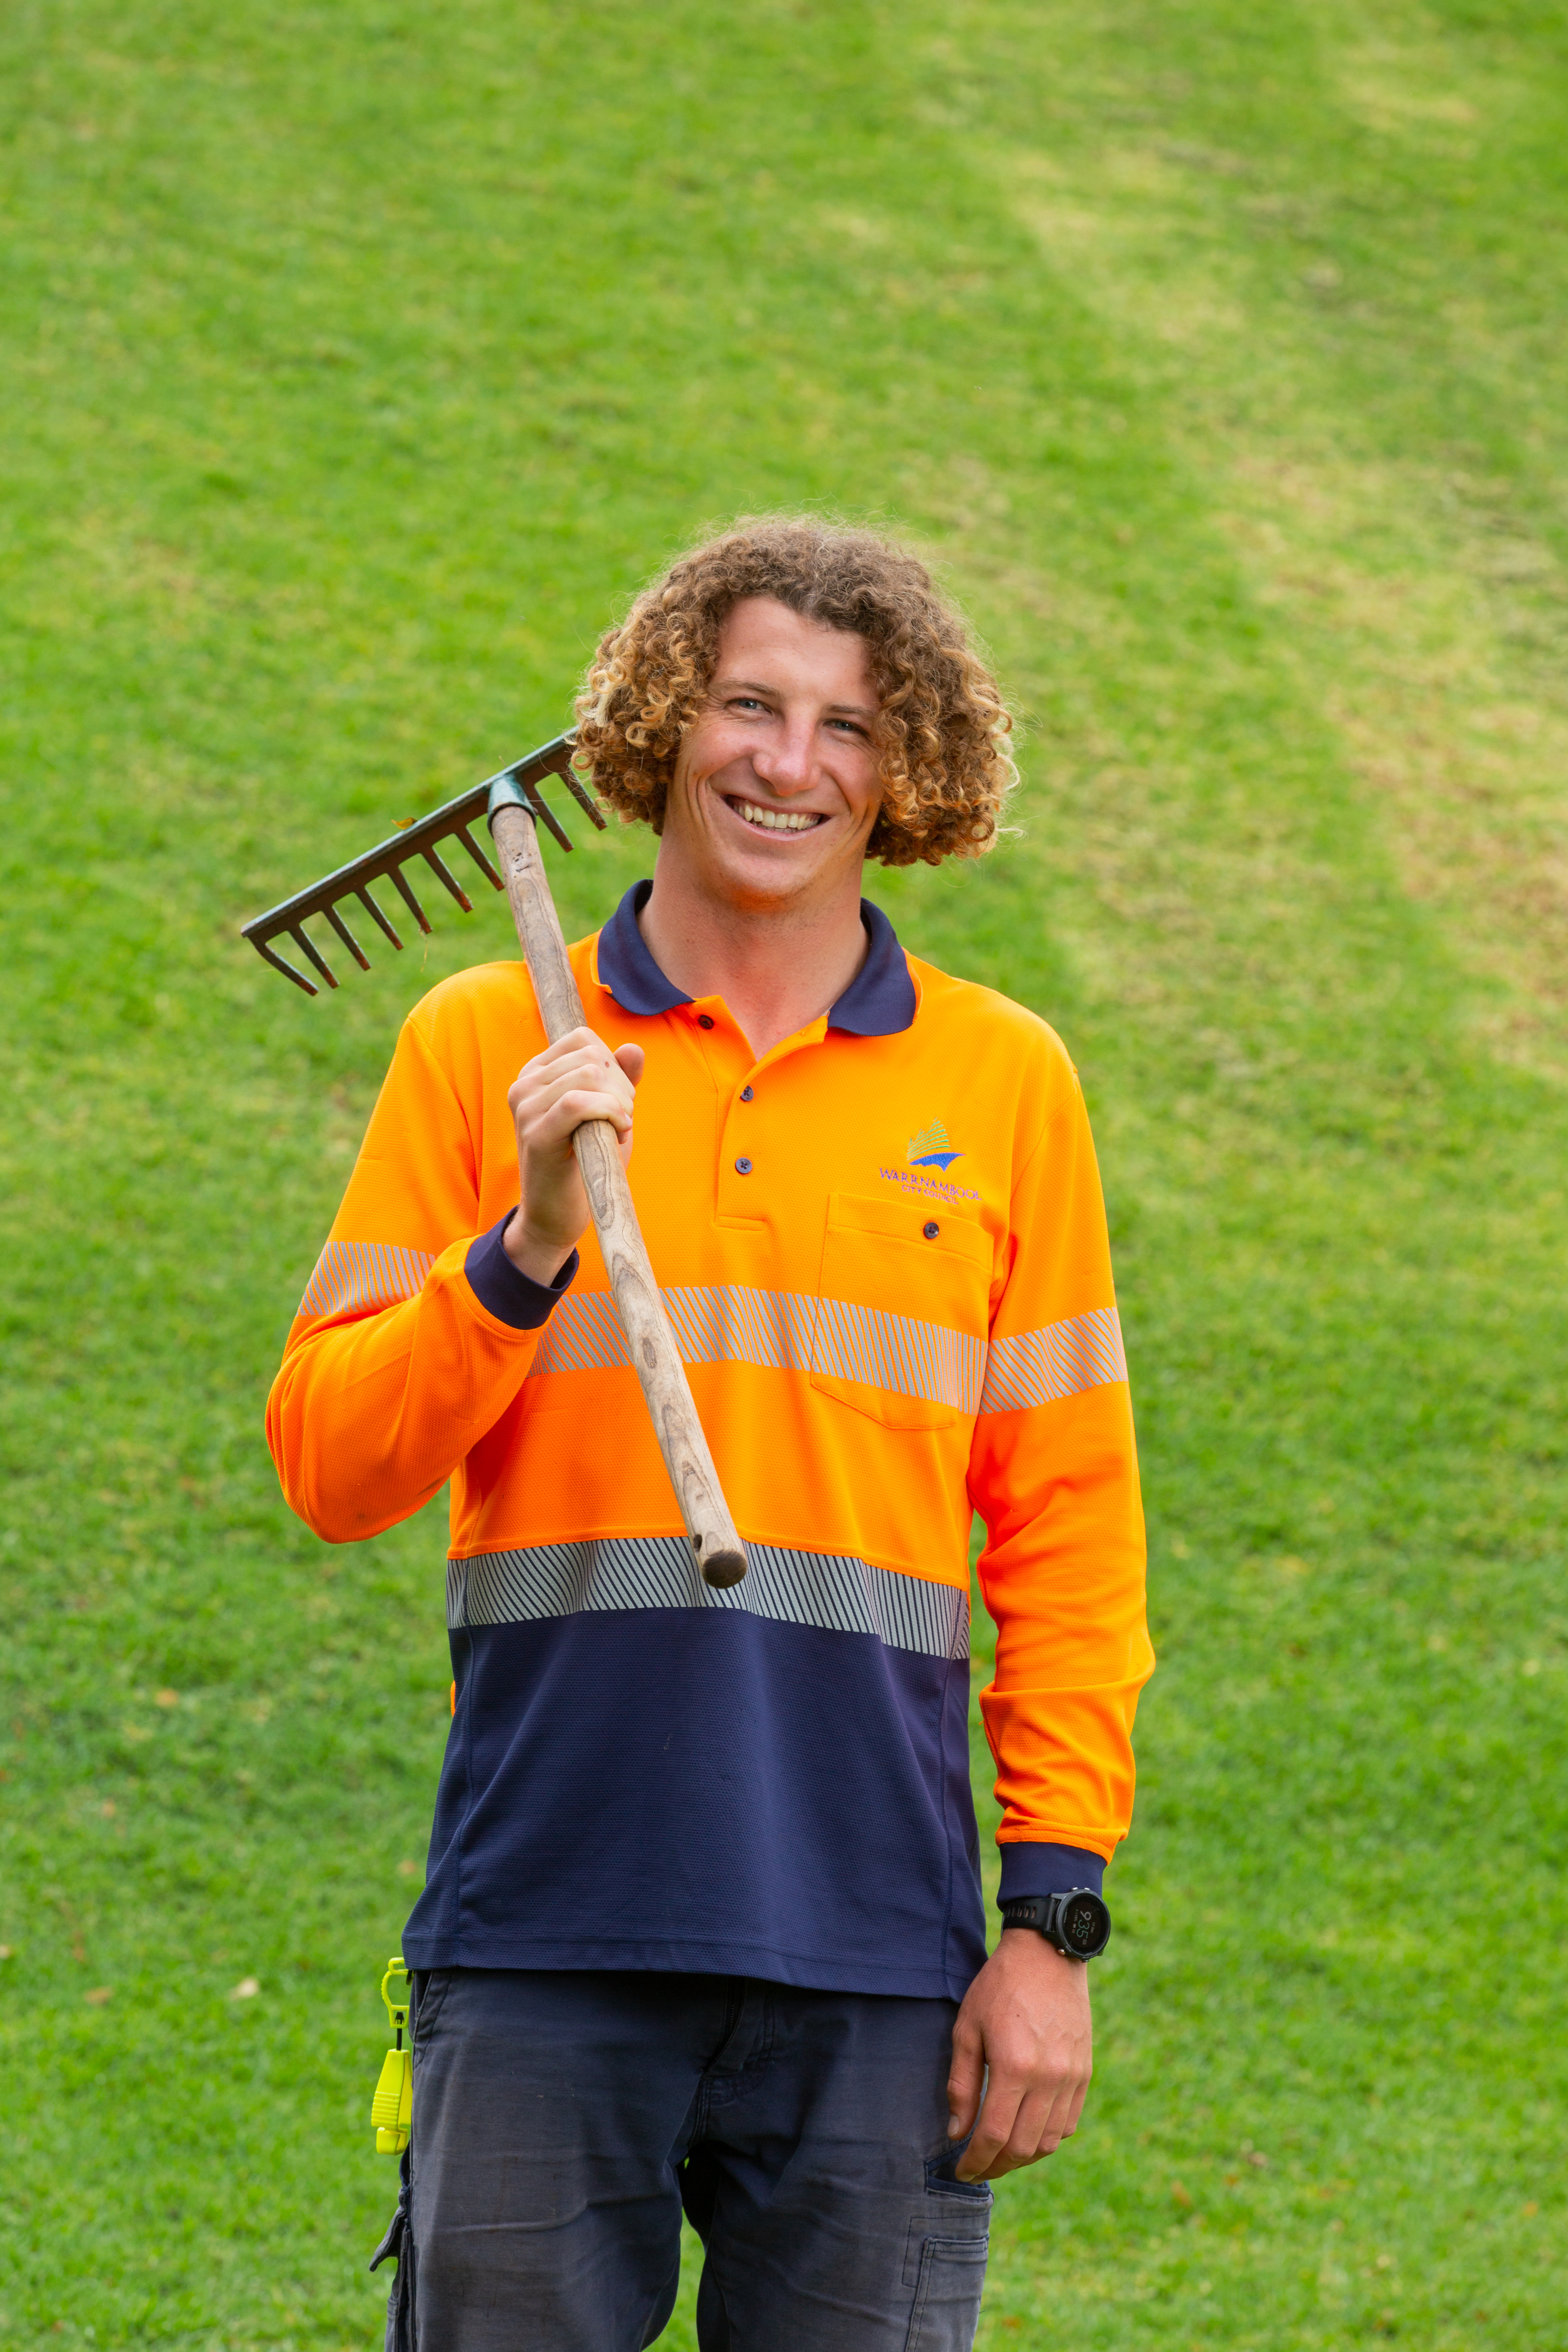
(722, 1568)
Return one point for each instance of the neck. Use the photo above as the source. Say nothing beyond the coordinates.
(776, 967)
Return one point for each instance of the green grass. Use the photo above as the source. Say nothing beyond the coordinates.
(357, 361)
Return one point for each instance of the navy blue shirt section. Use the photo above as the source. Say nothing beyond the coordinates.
(775, 1801)
(880, 1000)
(512, 1296)
(1047, 1870)
(625, 966)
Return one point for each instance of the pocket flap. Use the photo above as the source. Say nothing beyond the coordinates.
(906, 1220)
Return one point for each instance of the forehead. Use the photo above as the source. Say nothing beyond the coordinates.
(766, 644)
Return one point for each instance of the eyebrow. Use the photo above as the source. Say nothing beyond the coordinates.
(756, 686)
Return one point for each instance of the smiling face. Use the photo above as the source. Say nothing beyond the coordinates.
(776, 786)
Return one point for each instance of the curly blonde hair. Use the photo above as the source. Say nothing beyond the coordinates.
(941, 730)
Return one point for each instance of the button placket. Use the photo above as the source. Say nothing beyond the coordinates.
(742, 1164)
(728, 1057)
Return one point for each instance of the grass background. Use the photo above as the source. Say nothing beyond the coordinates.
(358, 359)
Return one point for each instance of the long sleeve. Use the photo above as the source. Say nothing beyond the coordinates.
(1053, 1474)
(410, 1345)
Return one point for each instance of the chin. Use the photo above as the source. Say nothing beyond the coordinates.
(762, 881)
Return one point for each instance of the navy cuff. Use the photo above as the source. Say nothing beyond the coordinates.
(510, 1296)
(1047, 1870)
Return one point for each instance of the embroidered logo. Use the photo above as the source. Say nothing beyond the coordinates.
(932, 1147)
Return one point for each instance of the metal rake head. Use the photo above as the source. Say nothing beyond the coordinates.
(386, 861)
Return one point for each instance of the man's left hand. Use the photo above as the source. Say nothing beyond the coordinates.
(1024, 2036)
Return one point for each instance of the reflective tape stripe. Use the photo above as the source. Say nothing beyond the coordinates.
(585, 1334)
(785, 1330)
(1034, 1367)
(353, 1275)
(896, 1353)
(788, 1330)
(731, 1326)
(833, 1591)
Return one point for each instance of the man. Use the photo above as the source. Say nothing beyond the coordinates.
(703, 1925)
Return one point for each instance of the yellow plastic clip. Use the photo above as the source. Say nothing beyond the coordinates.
(391, 2110)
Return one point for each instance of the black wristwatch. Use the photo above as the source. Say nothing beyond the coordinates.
(1078, 1922)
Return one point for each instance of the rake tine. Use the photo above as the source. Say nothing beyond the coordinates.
(347, 938)
(369, 902)
(307, 947)
(409, 900)
(461, 896)
(477, 855)
(584, 799)
(279, 964)
(542, 809)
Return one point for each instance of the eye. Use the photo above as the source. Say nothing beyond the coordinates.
(746, 702)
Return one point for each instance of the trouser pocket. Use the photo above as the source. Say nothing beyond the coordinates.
(947, 2294)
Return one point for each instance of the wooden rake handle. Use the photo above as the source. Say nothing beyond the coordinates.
(720, 1553)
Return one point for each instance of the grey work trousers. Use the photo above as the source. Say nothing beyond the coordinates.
(563, 2122)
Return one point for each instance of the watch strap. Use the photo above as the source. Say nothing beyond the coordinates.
(1044, 1913)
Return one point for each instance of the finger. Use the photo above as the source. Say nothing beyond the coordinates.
(604, 1085)
(579, 1049)
(992, 2132)
(555, 1123)
(1036, 2132)
(587, 1047)
(544, 1137)
(966, 2079)
(1075, 2100)
(1046, 2116)
(596, 1067)
(600, 1072)
(597, 1075)
(1065, 2089)
(1030, 2138)
(576, 1041)
(581, 1040)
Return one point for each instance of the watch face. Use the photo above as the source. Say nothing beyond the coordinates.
(1084, 1924)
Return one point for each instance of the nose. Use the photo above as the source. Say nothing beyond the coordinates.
(786, 763)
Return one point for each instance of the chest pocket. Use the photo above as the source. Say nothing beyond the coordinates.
(902, 1315)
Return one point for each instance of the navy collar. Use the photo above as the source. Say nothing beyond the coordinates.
(878, 1001)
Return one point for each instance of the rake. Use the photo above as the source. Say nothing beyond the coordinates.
(515, 807)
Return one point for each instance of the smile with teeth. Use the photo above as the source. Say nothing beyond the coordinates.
(771, 820)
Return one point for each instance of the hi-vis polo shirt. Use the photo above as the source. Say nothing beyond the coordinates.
(882, 1249)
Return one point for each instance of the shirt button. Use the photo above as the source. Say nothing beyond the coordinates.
(930, 1231)
(745, 1094)
(742, 1167)
(705, 1021)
